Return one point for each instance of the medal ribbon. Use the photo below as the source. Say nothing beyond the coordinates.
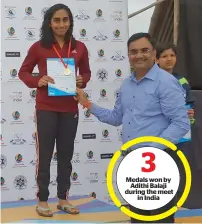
(59, 56)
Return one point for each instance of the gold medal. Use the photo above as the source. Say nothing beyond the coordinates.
(67, 71)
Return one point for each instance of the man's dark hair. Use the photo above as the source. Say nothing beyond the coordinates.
(161, 47)
(46, 36)
(138, 36)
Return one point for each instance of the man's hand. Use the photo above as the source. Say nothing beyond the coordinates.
(79, 81)
(82, 98)
(45, 80)
(191, 113)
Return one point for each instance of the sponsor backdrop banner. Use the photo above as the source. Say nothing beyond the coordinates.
(103, 27)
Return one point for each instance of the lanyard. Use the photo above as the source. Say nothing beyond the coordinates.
(59, 56)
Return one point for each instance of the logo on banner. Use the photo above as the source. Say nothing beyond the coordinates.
(2, 140)
(119, 131)
(117, 35)
(3, 161)
(83, 32)
(53, 180)
(88, 94)
(116, 94)
(89, 136)
(106, 155)
(75, 179)
(103, 96)
(17, 139)
(2, 181)
(103, 93)
(102, 75)
(13, 73)
(90, 154)
(99, 13)
(87, 113)
(33, 93)
(20, 182)
(99, 16)
(117, 16)
(87, 116)
(82, 15)
(76, 158)
(16, 97)
(16, 115)
(105, 175)
(30, 34)
(105, 133)
(16, 118)
(3, 184)
(83, 35)
(90, 157)
(10, 12)
(11, 31)
(34, 160)
(118, 56)
(33, 141)
(93, 194)
(100, 53)
(93, 178)
(100, 36)
(43, 11)
(3, 120)
(105, 136)
(29, 13)
(76, 140)
(19, 161)
(118, 73)
(18, 158)
(12, 54)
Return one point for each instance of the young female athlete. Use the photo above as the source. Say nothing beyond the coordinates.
(56, 116)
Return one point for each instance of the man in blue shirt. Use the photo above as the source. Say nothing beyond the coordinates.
(150, 103)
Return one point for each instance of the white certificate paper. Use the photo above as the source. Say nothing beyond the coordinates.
(65, 82)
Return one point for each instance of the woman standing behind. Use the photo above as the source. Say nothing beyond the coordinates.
(56, 117)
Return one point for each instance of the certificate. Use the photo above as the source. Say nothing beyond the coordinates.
(187, 137)
(64, 77)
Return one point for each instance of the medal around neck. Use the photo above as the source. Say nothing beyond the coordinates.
(67, 71)
(64, 77)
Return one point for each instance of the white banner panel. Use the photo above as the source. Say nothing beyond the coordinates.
(103, 27)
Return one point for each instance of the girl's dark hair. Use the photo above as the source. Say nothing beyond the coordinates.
(160, 48)
(46, 36)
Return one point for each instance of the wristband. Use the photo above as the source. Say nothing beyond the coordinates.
(87, 105)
